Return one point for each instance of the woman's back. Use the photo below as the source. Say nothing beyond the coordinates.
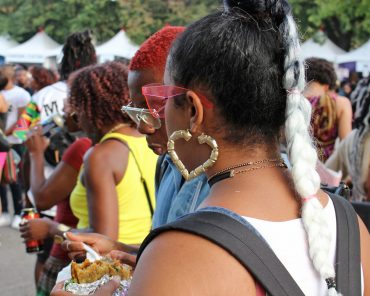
(134, 218)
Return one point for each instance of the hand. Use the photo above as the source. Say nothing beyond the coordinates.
(107, 289)
(100, 243)
(36, 142)
(37, 229)
(124, 257)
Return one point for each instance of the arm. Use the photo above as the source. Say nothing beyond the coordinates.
(181, 264)
(48, 192)
(3, 104)
(40, 229)
(344, 116)
(104, 168)
(368, 184)
(100, 243)
(9, 131)
(365, 256)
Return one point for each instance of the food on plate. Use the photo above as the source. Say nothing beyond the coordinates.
(88, 272)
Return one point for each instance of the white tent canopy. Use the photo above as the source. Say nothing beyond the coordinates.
(328, 50)
(6, 43)
(119, 46)
(34, 50)
(361, 54)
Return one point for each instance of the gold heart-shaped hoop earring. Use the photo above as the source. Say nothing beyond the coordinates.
(202, 139)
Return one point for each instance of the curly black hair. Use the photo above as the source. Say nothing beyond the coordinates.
(78, 52)
(321, 71)
(99, 92)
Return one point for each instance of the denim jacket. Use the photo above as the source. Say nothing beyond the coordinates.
(175, 197)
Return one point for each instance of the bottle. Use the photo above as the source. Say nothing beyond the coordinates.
(32, 246)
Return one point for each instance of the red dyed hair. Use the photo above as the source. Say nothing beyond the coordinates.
(154, 51)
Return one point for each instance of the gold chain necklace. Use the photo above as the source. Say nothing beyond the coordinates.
(117, 127)
(231, 172)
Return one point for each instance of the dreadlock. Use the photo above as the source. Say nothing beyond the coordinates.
(78, 52)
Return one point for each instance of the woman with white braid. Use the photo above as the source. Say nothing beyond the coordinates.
(233, 80)
(232, 84)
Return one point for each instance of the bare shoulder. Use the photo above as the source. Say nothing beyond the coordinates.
(343, 102)
(177, 263)
(105, 152)
(365, 255)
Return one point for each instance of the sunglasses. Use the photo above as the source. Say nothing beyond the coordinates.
(141, 114)
(157, 94)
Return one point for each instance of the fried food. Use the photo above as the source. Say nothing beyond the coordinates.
(88, 272)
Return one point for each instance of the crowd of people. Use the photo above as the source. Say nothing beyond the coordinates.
(221, 117)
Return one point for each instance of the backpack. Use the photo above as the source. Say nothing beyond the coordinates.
(234, 234)
(59, 142)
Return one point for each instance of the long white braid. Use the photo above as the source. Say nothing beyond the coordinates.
(303, 157)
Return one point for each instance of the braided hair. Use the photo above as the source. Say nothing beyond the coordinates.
(78, 52)
(256, 86)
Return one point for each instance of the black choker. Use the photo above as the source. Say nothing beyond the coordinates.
(231, 172)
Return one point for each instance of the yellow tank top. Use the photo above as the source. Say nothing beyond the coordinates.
(134, 214)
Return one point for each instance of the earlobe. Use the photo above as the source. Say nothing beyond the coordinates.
(196, 118)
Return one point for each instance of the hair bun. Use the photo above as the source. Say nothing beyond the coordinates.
(276, 9)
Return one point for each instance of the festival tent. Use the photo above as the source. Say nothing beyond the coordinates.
(6, 43)
(119, 46)
(33, 51)
(358, 59)
(327, 50)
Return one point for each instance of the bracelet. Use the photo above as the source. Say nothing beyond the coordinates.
(58, 239)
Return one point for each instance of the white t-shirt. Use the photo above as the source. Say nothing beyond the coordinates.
(50, 99)
(16, 97)
(288, 240)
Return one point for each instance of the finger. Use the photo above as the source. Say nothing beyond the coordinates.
(71, 246)
(23, 228)
(58, 290)
(46, 141)
(123, 257)
(87, 238)
(26, 235)
(109, 288)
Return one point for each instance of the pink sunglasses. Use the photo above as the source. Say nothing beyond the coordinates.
(157, 94)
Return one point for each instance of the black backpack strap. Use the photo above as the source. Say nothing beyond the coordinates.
(348, 257)
(244, 243)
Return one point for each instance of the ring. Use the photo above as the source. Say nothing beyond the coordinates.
(67, 247)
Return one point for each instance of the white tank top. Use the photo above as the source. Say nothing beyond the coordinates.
(289, 242)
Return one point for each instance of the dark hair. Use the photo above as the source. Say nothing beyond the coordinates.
(42, 76)
(321, 71)
(78, 52)
(99, 92)
(236, 59)
(246, 60)
(360, 98)
(3, 81)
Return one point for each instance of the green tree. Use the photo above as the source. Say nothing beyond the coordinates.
(141, 18)
(21, 19)
(346, 22)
